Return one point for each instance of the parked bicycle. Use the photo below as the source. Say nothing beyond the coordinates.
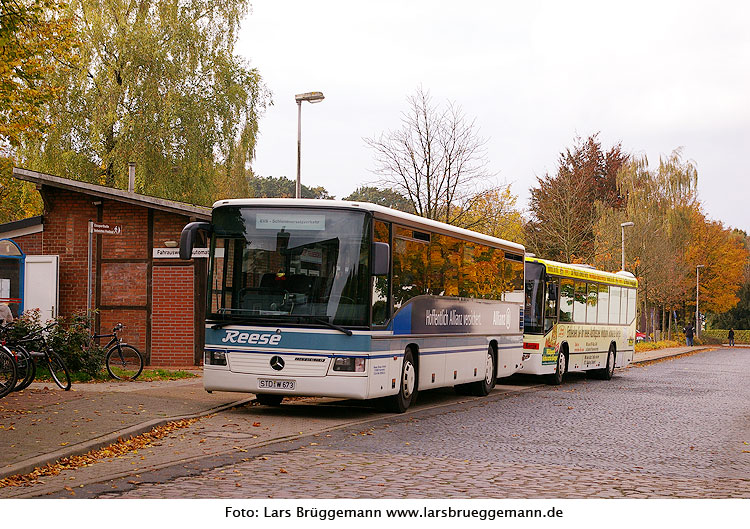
(123, 361)
(23, 359)
(8, 371)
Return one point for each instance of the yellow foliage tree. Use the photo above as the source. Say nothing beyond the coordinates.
(35, 40)
(494, 213)
(723, 255)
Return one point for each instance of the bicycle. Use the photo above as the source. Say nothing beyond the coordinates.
(24, 358)
(123, 361)
(8, 371)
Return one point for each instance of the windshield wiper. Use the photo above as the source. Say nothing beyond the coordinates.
(332, 326)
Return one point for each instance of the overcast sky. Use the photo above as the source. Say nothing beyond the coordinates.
(652, 75)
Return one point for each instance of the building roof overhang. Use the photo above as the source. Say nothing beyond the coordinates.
(161, 204)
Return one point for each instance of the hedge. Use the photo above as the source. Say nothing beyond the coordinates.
(740, 336)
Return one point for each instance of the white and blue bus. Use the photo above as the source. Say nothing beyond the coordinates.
(354, 300)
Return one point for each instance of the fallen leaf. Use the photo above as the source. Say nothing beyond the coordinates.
(283, 471)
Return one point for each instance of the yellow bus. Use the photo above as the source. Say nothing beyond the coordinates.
(577, 318)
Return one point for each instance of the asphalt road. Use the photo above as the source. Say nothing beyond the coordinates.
(677, 428)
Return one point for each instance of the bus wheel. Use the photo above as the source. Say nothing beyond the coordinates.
(269, 400)
(607, 372)
(556, 378)
(483, 387)
(407, 388)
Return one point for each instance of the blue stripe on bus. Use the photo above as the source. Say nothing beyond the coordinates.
(330, 355)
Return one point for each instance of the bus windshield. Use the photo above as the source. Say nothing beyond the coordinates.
(287, 265)
(533, 312)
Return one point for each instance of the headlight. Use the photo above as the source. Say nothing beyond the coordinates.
(356, 365)
(215, 358)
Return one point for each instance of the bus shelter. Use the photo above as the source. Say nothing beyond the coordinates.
(12, 264)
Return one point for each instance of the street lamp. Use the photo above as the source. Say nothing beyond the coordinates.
(310, 97)
(697, 285)
(623, 226)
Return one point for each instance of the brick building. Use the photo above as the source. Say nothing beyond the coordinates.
(137, 279)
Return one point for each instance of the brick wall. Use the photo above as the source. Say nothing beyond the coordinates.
(172, 319)
(30, 244)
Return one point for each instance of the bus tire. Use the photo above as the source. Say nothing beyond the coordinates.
(407, 388)
(487, 384)
(609, 370)
(267, 399)
(556, 378)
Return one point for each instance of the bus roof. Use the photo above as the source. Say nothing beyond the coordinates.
(380, 212)
(574, 271)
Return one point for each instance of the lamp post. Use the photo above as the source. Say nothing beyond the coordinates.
(697, 286)
(311, 97)
(623, 226)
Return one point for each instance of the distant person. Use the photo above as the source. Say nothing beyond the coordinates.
(689, 334)
(6, 316)
(731, 337)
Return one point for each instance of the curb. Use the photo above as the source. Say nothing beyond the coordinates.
(29, 465)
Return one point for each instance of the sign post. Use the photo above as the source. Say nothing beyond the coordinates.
(99, 229)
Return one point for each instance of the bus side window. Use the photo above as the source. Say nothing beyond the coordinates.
(614, 305)
(591, 303)
(603, 305)
(566, 300)
(579, 305)
(550, 311)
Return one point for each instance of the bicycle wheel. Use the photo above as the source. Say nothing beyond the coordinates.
(124, 362)
(58, 370)
(26, 368)
(8, 371)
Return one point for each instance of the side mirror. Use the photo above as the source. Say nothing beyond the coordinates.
(381, 258)
(187, 238)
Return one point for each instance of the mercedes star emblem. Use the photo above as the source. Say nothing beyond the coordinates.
(277, 363)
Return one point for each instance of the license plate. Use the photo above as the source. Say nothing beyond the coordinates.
(288, 385)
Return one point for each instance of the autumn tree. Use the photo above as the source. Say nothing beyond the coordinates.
(495, 213)
(670, 237)
(436, 159)
(738, 317)
(158, 83)
(723, 254)
(36, 39)
(563, 207)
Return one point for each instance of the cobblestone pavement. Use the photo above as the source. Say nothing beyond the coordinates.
(679, 428)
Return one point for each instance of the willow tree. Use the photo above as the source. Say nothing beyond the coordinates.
(662, 204)
(158, 83)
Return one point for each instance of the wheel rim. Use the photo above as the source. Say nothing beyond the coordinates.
(408, 381)
(58, 371)
(126, 365)
(488, 374)
(561, 365)
(611, 362)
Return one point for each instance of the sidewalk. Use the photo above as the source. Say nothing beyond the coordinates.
(43, 423)
(648, 356)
